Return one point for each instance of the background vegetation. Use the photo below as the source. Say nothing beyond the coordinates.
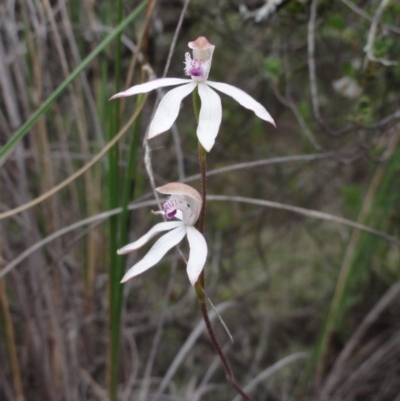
(312, 305)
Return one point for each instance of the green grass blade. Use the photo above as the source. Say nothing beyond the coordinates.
(115, 288)
(128, 189)
(378, 205)
(6, 150)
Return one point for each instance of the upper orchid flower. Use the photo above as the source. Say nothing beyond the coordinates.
(210, 116)
(185, 204)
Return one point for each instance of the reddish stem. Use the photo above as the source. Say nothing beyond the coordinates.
(199, 286)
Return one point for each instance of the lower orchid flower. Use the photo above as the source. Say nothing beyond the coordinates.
(210, 116)
(185, 204)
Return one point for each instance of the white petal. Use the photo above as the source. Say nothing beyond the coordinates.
(158, 228)
(197, 255)
(210, 116)
(149, 86)
(168, 109)
(243, 99)
(158, 250)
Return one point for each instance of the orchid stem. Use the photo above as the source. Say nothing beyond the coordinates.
(228, 370)
(199, 286)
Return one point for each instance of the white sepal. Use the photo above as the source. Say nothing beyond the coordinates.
(158, 228)
(243, 99)
(151, 85)
(157, 251)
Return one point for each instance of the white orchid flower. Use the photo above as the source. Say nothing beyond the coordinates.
(185, 204)
(211, 110)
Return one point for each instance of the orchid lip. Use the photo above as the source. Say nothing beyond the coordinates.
(181, 203)
(196, 72)
(171, 214)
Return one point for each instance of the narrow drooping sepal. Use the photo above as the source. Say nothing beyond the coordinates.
(151, 85)
(210, 116)
(168, 109)
(156, 253)
(197, 255)
(243, 99)
(158, 228)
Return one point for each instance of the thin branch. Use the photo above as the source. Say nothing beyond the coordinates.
(144, 388)
(362, 329)
(175, 38)
(78, 173)
(260, 202)
(219, 316)
(276, 367)
(149, 170)
(179, 153)
(379, 359)
(369, 47)
(365, 15)
(10, 101)
(264, 12)
(191, 340)
(311, 59)
(228, 371)
(384, 121)
(309, 213)
(292, 106)
(265, 162)
(102, 216)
